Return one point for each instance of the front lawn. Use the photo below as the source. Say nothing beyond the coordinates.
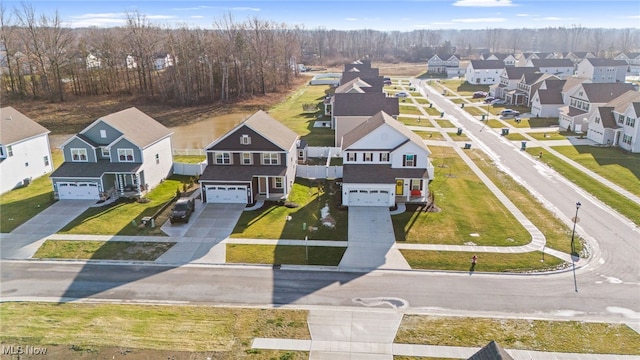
(445, 123)
(516, 137)
(430, 135)
(432, 111)
(547, 135)
(102, 250)
(277, 221)
(22, 204)
(284, 254)
(410, 110)
(487, 262)
(469, 212)
(474, 111)
(116, 218)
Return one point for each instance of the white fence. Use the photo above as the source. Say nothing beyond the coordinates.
(189, 152)
(189, 169)
(326, 79)
(319, 172)
(323, 151)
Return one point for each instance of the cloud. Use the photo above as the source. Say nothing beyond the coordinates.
(630, 17)
(479, 20)
(160, 17)
(483, 3)
(522, 15)
(245, 9)
(99, 20)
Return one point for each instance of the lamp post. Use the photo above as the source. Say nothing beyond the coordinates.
(573, 233)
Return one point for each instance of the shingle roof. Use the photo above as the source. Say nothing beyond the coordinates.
(605, 92)
(240, 172)
(93, 169)
(366, 104)
(605, 62)
(551, 96)
(375, 122)
(623, 101)
(271, 129)
(607, 118)
(491, 351)
(487, 64)
(138, 127)
(552, 62)
(15, 126)
(379, 173)
(554, 83)
(516, 72)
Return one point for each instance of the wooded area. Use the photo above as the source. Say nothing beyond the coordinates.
(233, 60)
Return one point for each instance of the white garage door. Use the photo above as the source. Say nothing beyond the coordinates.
(226, 194)
(78, 191)
(369, 197)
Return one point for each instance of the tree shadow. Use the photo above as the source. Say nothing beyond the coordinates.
(613, 156)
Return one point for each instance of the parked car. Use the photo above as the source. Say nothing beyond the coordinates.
(509, 112)
(387, 82)
(489, 99)
(401, 94)
(182, 210)
(479, 94)
(498, 102)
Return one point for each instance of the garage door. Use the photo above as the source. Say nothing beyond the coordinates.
(78, 191)
(369, 198)
(226, 194)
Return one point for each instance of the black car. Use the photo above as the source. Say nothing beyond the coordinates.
(182, 210)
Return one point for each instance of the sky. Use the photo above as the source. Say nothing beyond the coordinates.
(384, 15)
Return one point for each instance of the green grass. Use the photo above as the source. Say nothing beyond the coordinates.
(616, 201)
(188, 328)
(463, 88)
(547, 136)
(102, 250)
(271, 222)
(539, 335)
(415, 121)
(467, 207)
(430, 135)
(496, 124)
(22, 204)
(445, 123)
(540, 122)
(474, 111)
(487, 262)
(410, 110)
(284, 254)
(613, 164)
(516, 137)
(189, 159)
(432, 111)
(421, 100)
(116, 218)
(455, 137)
(458, 101)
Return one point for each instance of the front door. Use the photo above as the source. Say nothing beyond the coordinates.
(399, 187)
(262, 185)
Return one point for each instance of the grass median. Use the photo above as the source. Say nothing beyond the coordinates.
(284, 254)
(102, 250)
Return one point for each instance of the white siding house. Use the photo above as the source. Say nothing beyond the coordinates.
(485, 72)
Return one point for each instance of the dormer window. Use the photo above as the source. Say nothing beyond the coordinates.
(409, 160)
(105, 151)
(245, 140)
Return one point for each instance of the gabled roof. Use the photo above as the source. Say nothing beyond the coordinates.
(532, 78)
(607, 118)
(487, 64)
(605, 62)
(550, 97)
(356, 84)
(605, 92)
(572, 82)
(581, 54)
(376, 121)
(15, 126)
(267, 127)
(622, 102)
(554, 83)
(499, 56)
(552, 62)
(516, 72)
(491, 351)
(366, 104)
(136, 126)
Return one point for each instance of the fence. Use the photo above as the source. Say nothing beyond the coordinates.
(319, 172)
(323, 151)
(182, 152)
(189, 169)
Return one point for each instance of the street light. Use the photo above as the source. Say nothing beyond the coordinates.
(575, 220)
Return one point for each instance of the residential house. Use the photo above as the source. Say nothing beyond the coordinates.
(255, 160)
(507, 59)
(485, 72)
(584, 100)
(601, 70)
(577, 56)
(126, 153)
(617, 123)
(131, 62)
(358, 69)
(351, 109)
(163, 61)
(509, 80)
(384, 163)
(25, 153)
(93, 62)
(354, 86)
(448, 64)
(633, 61)
(550, 96)
(561, 68)
(524, 58)
(491, 351)
(526, 87)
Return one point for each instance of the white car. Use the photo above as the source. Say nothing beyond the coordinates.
(509, 112)
(401, 94)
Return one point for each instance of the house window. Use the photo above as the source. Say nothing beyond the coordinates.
(597, 120)
(79, 155)
(223, 158)
(415, 184)
(278, 183)
(270, 159)
(409, 160)
(105, 151)
(125, 155)
(620, 119)
(630, 121)
(367, 157)
(157, 158)
(26, 164)
(245, 140)
(384, 157)
(351, 156)
(2, 152)
(246, 159)
(627, 139)
(46, 160)
(103, 134)
(9, 151)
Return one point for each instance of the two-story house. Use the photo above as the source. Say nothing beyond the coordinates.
(601, 70)
(523, 58)
(255, 160)
(507, 59)
(485, 72)
(126, 153)
(508, 83)
(527, 86)
(633, 61)
(358, 69)
(561, 68)
(577, 56)
(25, 153)
(584, 100)
(384, 163)
(448, 64)
(617, 123)
(552, 95)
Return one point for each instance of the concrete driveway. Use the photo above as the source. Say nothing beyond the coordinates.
(200, 239)
(25, 240)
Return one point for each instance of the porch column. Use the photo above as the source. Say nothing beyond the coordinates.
(119, 183)
(267, 187)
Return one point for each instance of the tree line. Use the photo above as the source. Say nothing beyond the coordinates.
(233, 60)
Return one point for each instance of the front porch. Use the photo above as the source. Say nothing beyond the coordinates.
(126, 185)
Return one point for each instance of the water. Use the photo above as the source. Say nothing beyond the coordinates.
(192, 136)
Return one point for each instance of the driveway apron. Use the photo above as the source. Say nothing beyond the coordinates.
(371, 242)
(25, 240)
